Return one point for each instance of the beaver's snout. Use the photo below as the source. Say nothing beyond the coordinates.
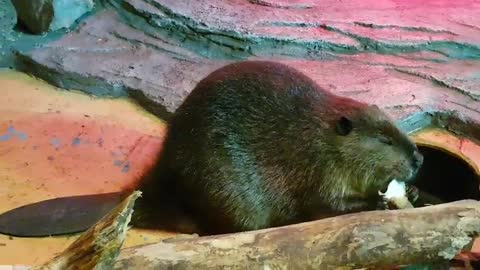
(417, 162)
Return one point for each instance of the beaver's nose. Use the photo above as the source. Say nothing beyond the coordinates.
(417, 160)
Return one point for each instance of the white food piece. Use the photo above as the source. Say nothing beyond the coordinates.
(397, 194)
(395, 189)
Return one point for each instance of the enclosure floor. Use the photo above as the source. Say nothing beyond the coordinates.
(57, 143)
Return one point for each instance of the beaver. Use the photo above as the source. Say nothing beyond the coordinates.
(258, 144)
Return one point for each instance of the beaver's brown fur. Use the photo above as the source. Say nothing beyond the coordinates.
(258, 144)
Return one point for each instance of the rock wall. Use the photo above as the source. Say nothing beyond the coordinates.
(406, 56)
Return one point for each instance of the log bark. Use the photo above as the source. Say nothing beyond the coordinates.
(98, 247)
(379, 239)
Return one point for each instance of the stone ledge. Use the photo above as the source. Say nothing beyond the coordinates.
(393, 54)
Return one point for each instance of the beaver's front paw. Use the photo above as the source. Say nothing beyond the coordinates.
(385, 205)
(412, 193)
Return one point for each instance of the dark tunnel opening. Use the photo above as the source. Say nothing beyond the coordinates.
(447, 176)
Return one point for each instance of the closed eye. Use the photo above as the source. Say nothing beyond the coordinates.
(385, 140)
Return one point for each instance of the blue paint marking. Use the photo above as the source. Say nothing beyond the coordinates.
(5, 137)
(117, 160)
(100, 142)
(56, 142)
(76, 141)
(22, 136)
(126, 167)
(12, 132)
(118, 163)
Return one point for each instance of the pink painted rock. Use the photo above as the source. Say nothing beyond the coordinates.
(406, 56)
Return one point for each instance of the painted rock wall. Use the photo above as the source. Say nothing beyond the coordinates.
(406, 56)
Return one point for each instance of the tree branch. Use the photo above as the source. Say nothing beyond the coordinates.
(98, 247)
(368, 239)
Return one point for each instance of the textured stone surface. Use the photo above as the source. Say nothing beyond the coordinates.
(406, 56)
(8, 17)
(36, 15)
(13, 38)
(41, 16)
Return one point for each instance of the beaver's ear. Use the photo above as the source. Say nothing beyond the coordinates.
(344, 126)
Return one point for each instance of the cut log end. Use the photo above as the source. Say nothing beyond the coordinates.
(98, 247)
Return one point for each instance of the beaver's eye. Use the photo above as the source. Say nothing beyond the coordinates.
(385, 140)
(344, 126)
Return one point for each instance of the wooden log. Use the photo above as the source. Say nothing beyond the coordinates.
(377, 239)
(98, 247)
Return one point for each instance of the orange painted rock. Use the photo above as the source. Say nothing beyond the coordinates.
(60, 143)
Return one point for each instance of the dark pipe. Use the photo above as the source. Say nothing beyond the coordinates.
(446, 176)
